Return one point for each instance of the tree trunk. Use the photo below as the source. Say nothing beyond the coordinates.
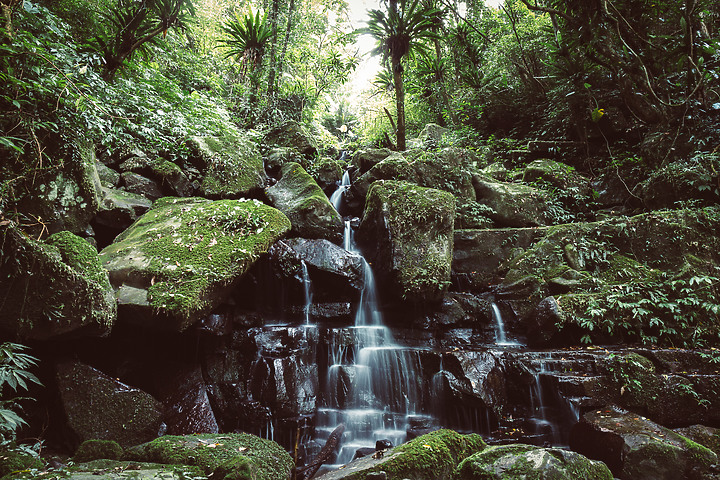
(400, 102)
(272, 75)
(286, 40)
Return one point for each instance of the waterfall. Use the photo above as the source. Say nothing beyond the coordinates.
(307, 291)
(500, 336)
(372, 385)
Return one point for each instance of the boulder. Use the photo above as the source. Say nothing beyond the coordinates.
(171, 177)
(256, 457)
(527, 462)
(335, 273)
(292, 134)
(557, 175)
(515, 205)
(298, 196)
(277, 157)
(139, 185)
(706, 436)
(180, 260)
(109, 178)
(638, 449)
(408, 231)
(232, 166)
(64, 198)
(327, 173)
(119, 209)
(53, 288)
(364, 160)
(187, 404)
(432, 456)
(100, 407)
(446, 169)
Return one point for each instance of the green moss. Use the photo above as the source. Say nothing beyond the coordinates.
(14, 460)
(238, 468)
(201, 245)
(97, 449)
(165, 168)
(79, 255)
(211, 451)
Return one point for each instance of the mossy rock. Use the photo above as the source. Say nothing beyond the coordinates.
(292, 134)
(299, 197)
(434, 456)
(527, 462)
(234, 167)
(180, 259)
(15, 460)
(113, 470)
(95, 449)
(409, 234)
(515, 205)
(99, 407)
(233, 452)
(53, 288)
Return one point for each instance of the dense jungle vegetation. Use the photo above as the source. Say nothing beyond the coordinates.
(634, 85)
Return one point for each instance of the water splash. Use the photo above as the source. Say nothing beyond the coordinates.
(307, 289)
(500, 335)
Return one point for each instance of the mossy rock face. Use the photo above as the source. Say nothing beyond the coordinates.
(604, 276)
(327, 173)
(706, 436)
(527, 462)
(179, 260)
(557, 175)
(98, 449)
(234, 167)
(15, 460)
(635, 448)
(277, 157)
(434, 456)
(409, 232)
(100, 407)
(68, 197)
(119, 209)
(364, 160)
(53, 288)
(514, 205)
(210, 452)
(299, 197)
(292, 134)
(113, 470)
(447, 169)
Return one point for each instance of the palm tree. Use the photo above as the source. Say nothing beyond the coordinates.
(247, 38)
(398, 32)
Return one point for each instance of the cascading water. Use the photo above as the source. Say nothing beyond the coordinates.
(372, 384)
(307, 291)
(500, 335)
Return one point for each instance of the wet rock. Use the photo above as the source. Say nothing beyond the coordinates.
(288, 385)
(298, 196)
(636, 448)
(54, 288)
(434, 455)
(119, 209)
(292, 134)
(514, 205)
(527, 462)
(139, 185)
(487, 377)
(187, 404)
(100, 407)
(179, 260)
(706, 436)
(109, 178)
(408, 230)
(263, 459)
(232, 167)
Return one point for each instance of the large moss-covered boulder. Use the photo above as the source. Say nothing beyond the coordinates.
(408, 231)
(448, 169)
(98, 406)
(527, 462)
(263, 459)
(292, 134)
(179, 260)
(66, 197)
(299, 197)
(232, 166)
(434, 456)
(637, 449)
(514, 204)
(54, 288)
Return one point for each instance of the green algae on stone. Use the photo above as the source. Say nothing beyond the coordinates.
(95, 449)
(528, 462)
(52, 289)
(212, 451)
(187, 252)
